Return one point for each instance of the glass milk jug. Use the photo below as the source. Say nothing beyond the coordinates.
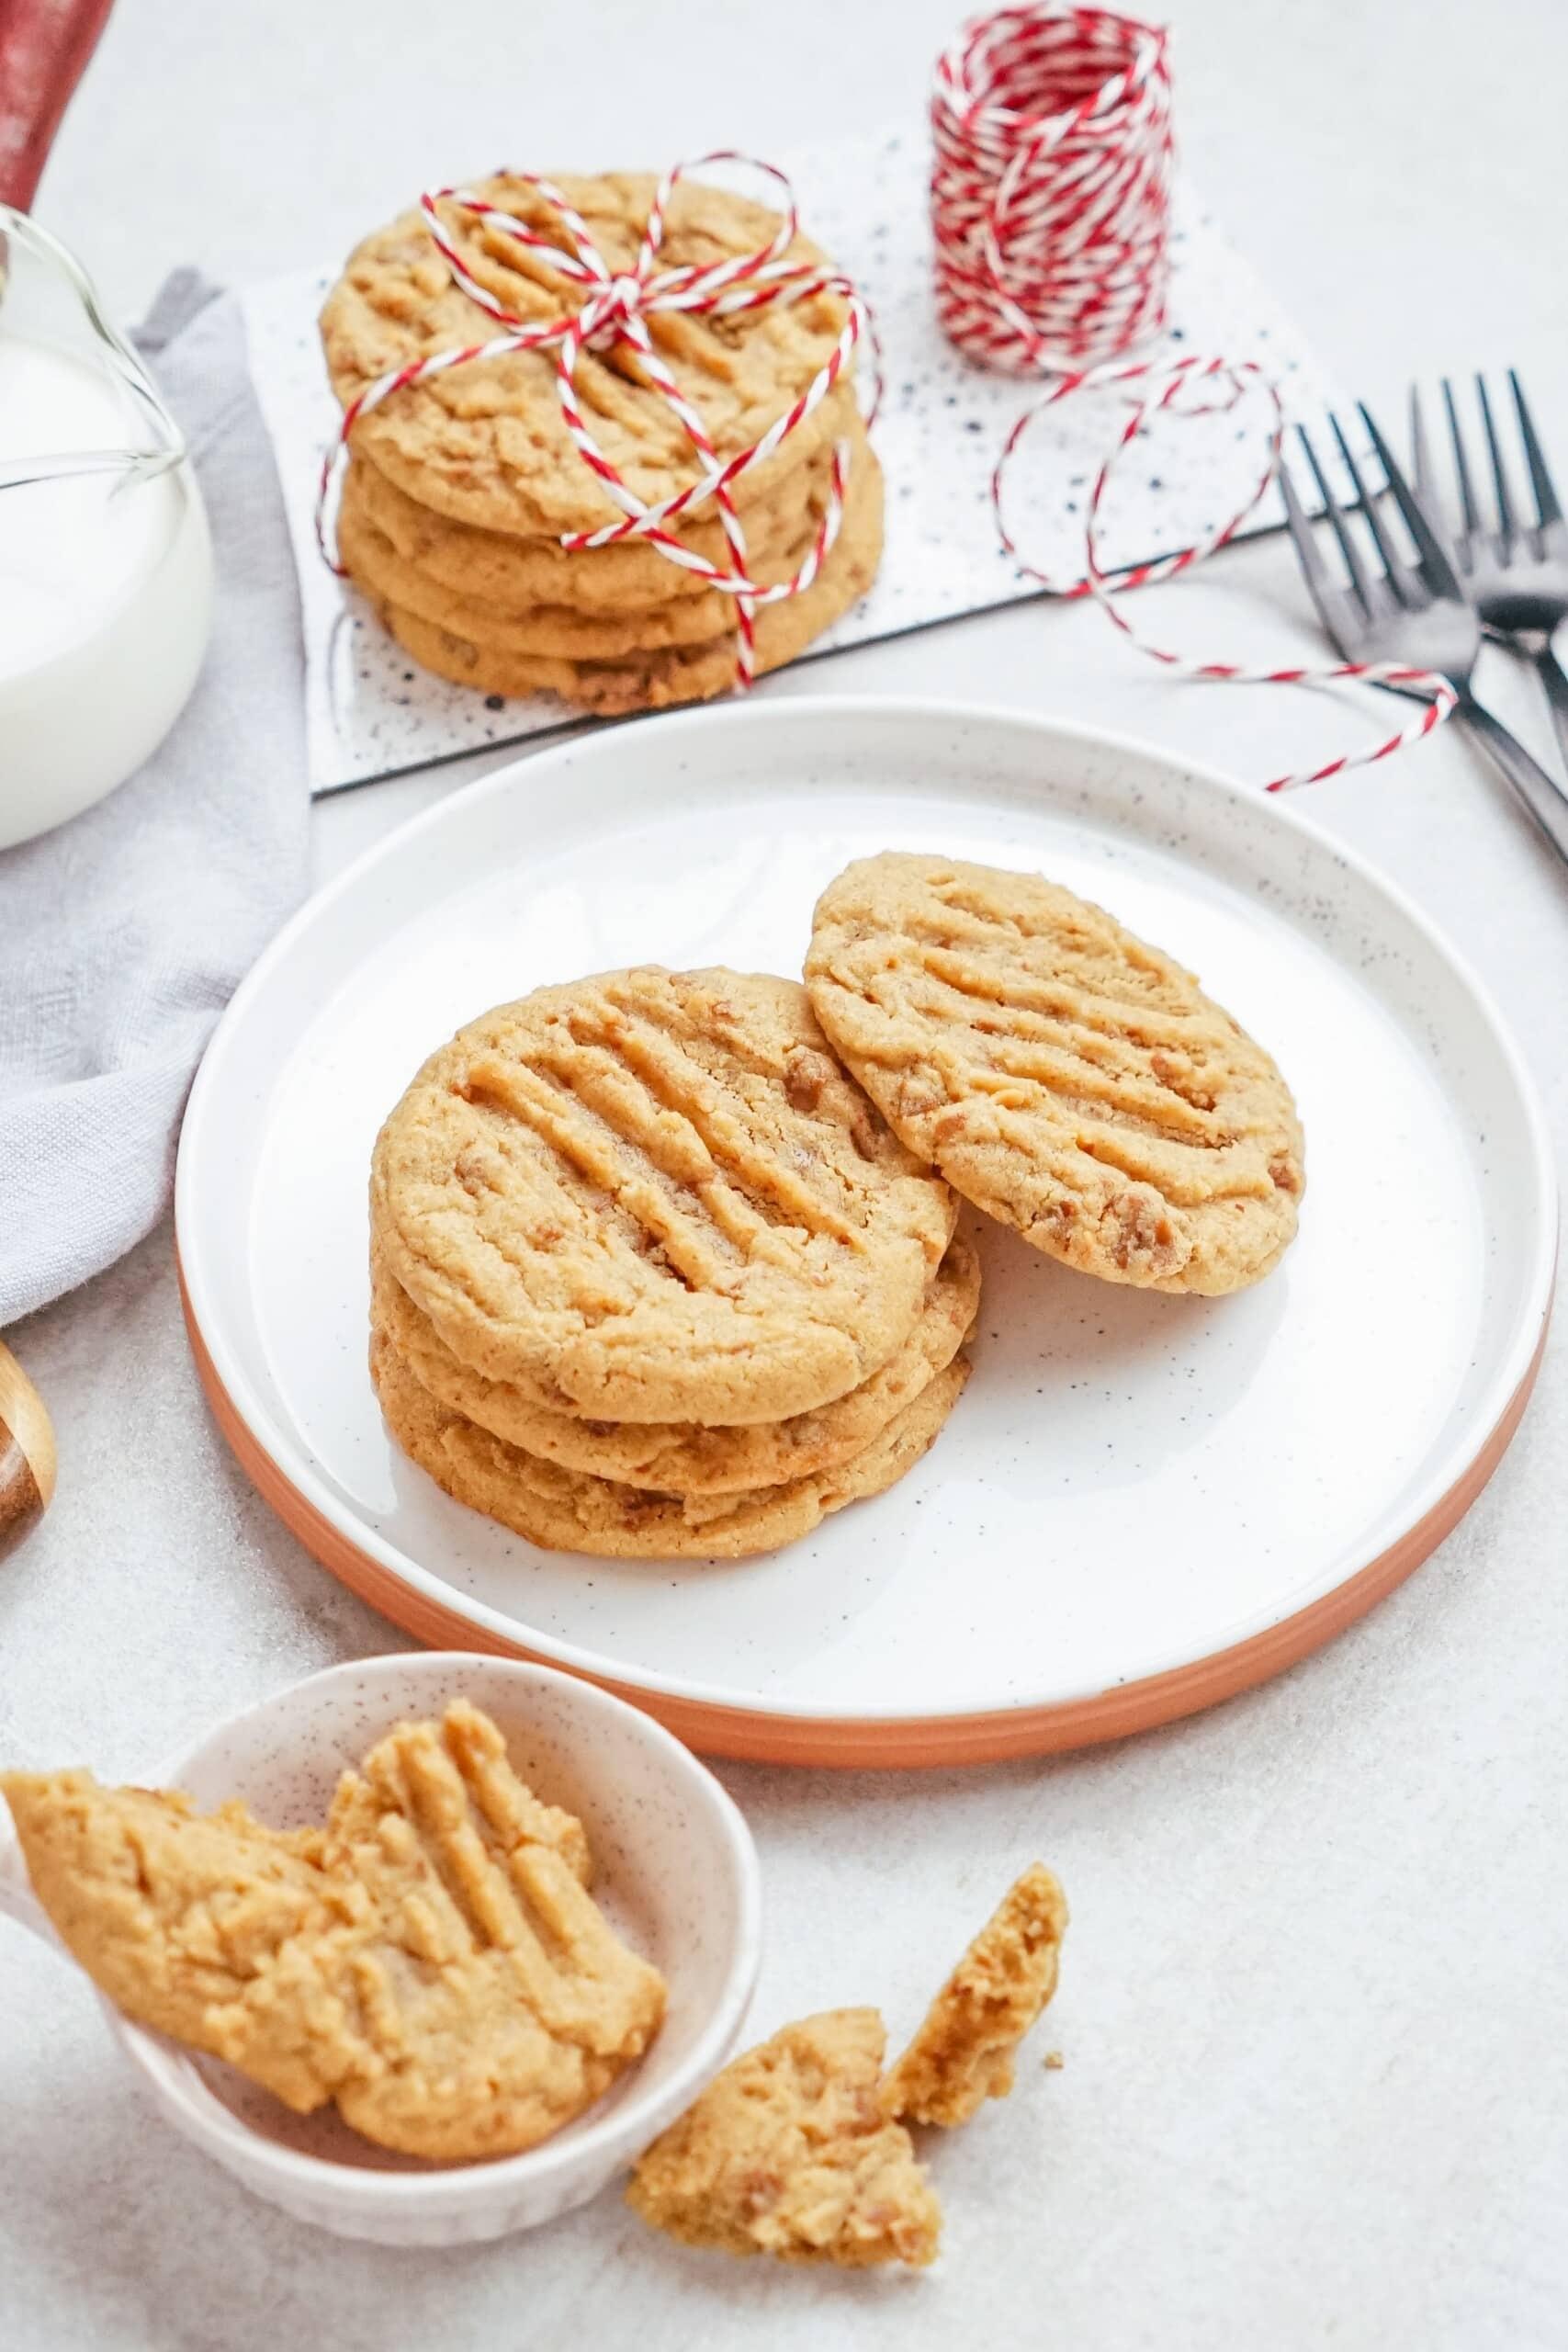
(106, 567)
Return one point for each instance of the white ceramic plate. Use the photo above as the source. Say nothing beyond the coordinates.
(1141, 1503)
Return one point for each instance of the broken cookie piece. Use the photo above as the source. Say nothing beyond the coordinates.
(962, 2053)
(180, 1917)
(787, 2153)
(496, 2000)
(430, 1961)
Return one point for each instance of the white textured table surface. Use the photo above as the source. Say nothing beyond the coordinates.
(1316, 2082)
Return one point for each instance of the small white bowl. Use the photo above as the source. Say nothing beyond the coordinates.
(674, 1869)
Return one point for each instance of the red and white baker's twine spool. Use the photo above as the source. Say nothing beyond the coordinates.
(615, 309)
(1051, 216)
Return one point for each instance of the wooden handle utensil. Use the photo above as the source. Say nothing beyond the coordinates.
(27, 1454)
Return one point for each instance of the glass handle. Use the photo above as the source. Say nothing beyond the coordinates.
(170, 446)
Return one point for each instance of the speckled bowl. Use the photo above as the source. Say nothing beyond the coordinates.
(675, 1868)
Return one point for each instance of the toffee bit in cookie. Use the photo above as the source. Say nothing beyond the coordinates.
(1139, 1233)
(963, 2053)
(430, 1961)
(787, 2153)
(863, 1133)
(806, 1074)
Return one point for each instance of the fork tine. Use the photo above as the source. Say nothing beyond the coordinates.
(1505, 523)
(1437, 561)
(1422, 479)
(1546, 507)
(1468, 507)
(1368, 505)
(1354, 564)
(1314, 572)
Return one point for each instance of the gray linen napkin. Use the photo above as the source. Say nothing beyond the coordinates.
(123, 933)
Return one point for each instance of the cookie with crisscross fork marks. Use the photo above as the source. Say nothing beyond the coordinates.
(485, 653)
(1066, 1077)
(496, 2000)
(682, 1457)
(486, 443)
(654, 1196)
(431, 1961)
(508, 574)
(568, 1511)
(566, 625)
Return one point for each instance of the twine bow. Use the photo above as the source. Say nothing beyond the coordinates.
(615, 311)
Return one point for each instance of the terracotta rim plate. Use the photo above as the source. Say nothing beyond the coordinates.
(1142, 1504)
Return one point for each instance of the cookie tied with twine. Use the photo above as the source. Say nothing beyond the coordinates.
(594, 365)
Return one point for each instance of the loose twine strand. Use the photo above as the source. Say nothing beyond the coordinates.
(1050, 192)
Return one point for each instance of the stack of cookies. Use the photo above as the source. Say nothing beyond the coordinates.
(459, 487)
(652, 1277)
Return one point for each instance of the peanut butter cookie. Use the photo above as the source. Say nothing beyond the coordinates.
(430, 1960)
(554, 632)
(963, 2054)
(187, 1921)
(486, 443)
(787, 2153)
(375, 564)
(680, 1458)
(1066, 1077)
(654, 1196)
(678, 673)
(564, 1511)
(503, 573)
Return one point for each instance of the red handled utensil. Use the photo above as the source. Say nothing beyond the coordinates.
(44, 48)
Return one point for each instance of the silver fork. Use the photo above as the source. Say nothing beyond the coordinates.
(1517, 575)
(1413, 614)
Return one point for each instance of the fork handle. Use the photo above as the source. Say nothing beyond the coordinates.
(1551, 672)
(1529, 782)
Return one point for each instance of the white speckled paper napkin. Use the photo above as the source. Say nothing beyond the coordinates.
(943, 422)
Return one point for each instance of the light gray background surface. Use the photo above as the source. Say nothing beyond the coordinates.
(1315, 2078)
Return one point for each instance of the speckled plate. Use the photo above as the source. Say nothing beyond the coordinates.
(1142, 1504)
